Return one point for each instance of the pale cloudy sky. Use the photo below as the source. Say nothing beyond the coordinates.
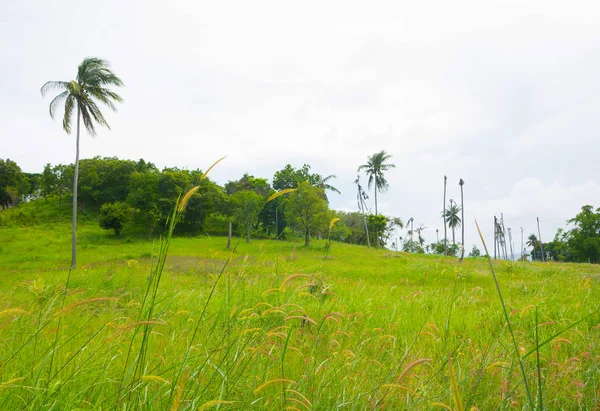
(504, 94)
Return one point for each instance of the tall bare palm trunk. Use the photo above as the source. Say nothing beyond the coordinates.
(228, 235)
(444, 216)
(540, 237)
(75, 177)
(376, 230)
(462, 208)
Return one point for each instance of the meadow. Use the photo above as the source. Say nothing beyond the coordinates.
(184, 324)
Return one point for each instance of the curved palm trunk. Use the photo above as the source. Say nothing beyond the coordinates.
(75, 178)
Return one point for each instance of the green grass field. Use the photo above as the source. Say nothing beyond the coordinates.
(275, 325)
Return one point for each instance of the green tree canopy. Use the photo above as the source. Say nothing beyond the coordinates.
(246, 207)
(113, 216)
(584, 238)
(13, 183)
(306, 210)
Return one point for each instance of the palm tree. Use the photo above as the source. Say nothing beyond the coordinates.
(90, 86)
(375, 167)
(462, 213)
(532, 242)
(452, 218)
(323, 184)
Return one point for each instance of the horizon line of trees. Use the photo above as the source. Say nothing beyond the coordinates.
(140, 196)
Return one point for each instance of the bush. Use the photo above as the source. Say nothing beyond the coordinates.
(114, 215)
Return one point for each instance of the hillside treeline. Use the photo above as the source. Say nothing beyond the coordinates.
(137, 196)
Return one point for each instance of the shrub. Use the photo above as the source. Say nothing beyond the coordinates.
(114, 215)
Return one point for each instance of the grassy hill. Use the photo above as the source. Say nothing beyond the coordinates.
(275, 325)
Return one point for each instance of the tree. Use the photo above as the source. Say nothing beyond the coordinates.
(306, 210)
(64, 180)
(114, 215)
(452, 218)
(584, 238)
(289, 177)
(323, 184)
(248, 182)
(475, 252)
(374, 169)
(533, 242)
(91, 86)
(143, 197)
(246, 207)
(48, 182)
(13, 183)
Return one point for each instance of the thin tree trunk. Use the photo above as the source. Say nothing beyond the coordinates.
(444, 217)
(462, 208)
(306, 238)
(229, 235)
(495, 237)
(75, 177)
(362, 209)
(512, 252)
(522, 246)
(540, 237)
(367, 230)
(453, 239)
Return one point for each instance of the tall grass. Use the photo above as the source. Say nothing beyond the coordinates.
(269, 325)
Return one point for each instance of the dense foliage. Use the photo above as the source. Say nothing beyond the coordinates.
(137, 197)
(150, 194)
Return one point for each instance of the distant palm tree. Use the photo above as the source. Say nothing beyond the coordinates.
(452, 218)
(532, 241)
(90, 86)
(375, 168)
(323, 184)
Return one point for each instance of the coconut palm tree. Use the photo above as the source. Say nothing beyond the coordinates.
(532, 242)
(375, 168)
(91, 86)
(452, 218)
(323, 184)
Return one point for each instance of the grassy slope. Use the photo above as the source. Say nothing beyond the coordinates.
(370, 315)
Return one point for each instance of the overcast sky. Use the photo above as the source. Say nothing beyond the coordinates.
(504, 94)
